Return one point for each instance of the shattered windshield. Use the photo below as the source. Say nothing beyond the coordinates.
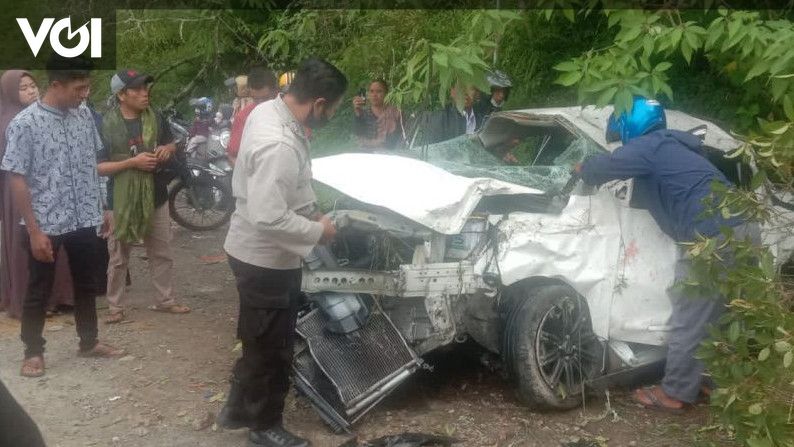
(466, 156)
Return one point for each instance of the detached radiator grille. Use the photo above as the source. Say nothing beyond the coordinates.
(357, 364)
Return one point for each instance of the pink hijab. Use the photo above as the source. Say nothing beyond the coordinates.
(10, 105)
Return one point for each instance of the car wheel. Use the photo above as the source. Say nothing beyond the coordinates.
(549, 346)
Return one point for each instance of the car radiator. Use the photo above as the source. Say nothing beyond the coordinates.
(345, 375)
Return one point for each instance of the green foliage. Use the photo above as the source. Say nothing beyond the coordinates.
(420, 53)
(190, 52)
(648, 43)
(750, 353)
(749, 356)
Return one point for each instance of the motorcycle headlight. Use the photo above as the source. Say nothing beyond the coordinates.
(224, 138)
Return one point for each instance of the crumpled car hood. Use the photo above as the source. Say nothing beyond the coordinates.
(412, 188)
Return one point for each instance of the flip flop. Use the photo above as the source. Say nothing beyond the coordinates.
(170, 309)
(32, 367)
(646, 398)
(114, 317)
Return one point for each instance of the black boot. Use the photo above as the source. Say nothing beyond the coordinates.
(275, 436)
(231, 416)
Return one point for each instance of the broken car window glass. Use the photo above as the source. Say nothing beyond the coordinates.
(466, 156)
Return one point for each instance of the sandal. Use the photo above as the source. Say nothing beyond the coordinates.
(170, 308)
(101, 350)
(32, 367)
(647, 398)
(704, 397)
(114, 317)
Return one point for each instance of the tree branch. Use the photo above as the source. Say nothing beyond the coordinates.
(242, 39)
(182, 94)
(173, 66)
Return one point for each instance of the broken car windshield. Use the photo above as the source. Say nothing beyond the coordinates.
(466, 156)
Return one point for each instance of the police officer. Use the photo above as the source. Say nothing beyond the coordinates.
(273, 227)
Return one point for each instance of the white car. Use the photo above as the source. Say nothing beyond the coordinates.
(569, 290)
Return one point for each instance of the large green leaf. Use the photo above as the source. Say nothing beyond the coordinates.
(757, 69)
(623, 100)
(567, 66)
(441, 59)
(715, 32)
(629, 33)
(675, 37)
(461, 64)
(691, 37)
(570, 78)
(686, 51)
(606, 97)
(662, 66)
(788, 107)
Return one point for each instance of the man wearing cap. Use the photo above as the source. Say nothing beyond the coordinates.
(138, 144)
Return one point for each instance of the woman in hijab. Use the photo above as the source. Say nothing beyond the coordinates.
(18, 90)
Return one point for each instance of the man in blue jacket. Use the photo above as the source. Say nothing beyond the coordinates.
(672, 179)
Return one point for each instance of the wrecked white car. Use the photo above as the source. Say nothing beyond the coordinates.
(448, 243)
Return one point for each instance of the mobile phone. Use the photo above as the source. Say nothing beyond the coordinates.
(363, 94)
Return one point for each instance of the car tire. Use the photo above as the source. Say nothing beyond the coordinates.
(548, 345)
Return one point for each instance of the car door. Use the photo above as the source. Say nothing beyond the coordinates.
(640, 304)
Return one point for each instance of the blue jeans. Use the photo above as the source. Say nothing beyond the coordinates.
(689, 321)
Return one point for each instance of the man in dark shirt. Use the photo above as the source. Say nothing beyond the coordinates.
(672, 179)
(494, 101)
(458, 118)
(138, 143)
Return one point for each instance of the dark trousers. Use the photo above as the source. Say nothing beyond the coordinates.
(269, 301)
(16, 427)
(82, 248)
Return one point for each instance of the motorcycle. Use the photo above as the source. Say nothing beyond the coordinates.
(212, 148)
(201, 197)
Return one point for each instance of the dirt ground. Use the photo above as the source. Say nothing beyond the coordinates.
(168, 389)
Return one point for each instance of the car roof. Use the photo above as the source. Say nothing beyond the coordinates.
(592, 121)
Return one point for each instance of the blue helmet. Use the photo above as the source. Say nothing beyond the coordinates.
(202, 106)
(646, 115)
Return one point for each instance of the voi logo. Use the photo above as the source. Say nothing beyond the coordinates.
(92, 37)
